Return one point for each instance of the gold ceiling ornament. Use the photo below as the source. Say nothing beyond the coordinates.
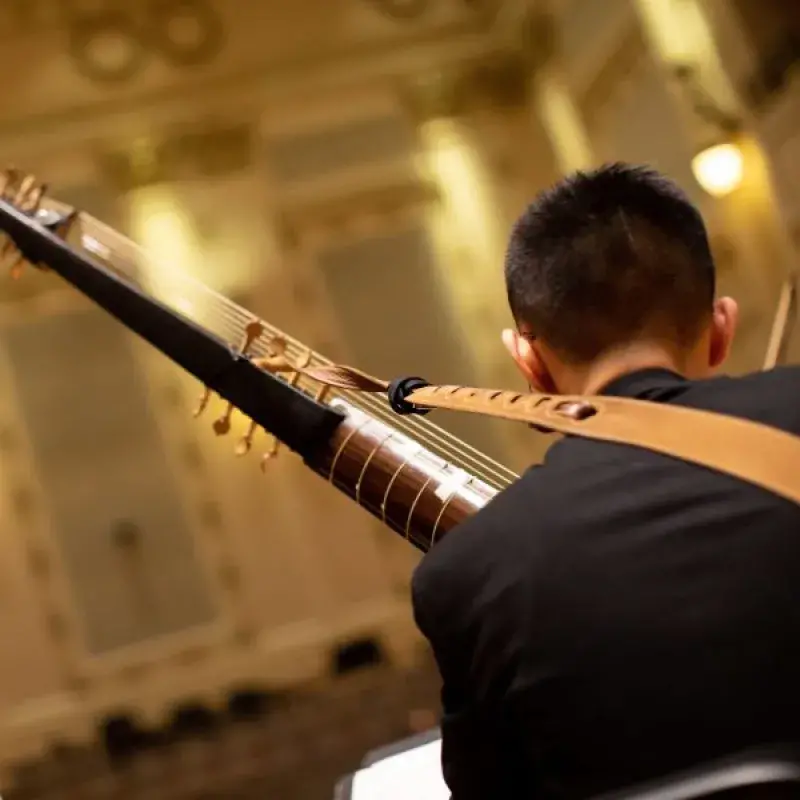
(106, 46)
(26, 193)
(113, 44)
(187, 33)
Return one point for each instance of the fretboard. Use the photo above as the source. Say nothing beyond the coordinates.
(414, 492)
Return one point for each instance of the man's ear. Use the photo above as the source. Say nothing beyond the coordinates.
(529, 361)
(724, 321)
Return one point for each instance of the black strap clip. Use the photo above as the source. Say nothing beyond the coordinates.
(400, 389)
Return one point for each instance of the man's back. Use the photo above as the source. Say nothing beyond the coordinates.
(617, 614)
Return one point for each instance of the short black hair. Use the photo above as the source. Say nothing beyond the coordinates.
(606, 256)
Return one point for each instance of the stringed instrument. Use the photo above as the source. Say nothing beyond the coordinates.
(352, 439)
(369, 438)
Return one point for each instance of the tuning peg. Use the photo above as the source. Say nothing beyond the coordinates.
(17, 267)
(270, 454)
(203, 402)
(275, 360)
(24, 190)
(278, 346)
(31, 200)
(245, 444)
(253, 330)
(222, 425)
(9, 181)
(21, 189)
(25, 193)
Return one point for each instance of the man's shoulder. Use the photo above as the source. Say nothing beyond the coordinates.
(788, 376)
(520, 524)
(770, 397)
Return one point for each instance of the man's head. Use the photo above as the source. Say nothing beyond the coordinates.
(613, 267)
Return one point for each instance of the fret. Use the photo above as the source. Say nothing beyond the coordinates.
(415, 492)
(410, 518)
(387, 493)
(437, 523)
(367, 462)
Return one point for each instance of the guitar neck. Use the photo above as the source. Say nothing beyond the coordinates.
(352, 443)
(413, 491)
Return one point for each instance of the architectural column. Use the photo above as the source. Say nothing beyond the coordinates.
(288, 573)
(487, 159)
(746, 219)
(555, 108)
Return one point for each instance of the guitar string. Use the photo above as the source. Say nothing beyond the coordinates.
(371, 403)
(491, 472)
(366, 402)
(414, 426)
(237, 318)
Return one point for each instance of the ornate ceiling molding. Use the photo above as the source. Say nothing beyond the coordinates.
(196, 152)
(113, 45)
(244, 92)
(496, 80)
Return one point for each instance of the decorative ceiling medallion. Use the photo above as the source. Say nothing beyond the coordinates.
(401, 9)
(187, 33)
(106, 46)
(112, 46)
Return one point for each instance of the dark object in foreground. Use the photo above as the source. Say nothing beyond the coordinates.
(763, 774)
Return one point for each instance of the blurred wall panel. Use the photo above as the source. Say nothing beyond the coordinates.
(397, 318)
(114, 511)
(590, 34)
(295, 563)
(343, 170)
(767, 22)
(632, 116)
(778, 129)
(30, 663)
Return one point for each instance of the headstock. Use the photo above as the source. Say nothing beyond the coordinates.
(25, 193)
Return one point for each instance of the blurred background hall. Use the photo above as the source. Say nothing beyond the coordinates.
(174, 623)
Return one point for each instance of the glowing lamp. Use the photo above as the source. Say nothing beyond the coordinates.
(719, 168)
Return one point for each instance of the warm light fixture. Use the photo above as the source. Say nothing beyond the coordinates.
(719, 168)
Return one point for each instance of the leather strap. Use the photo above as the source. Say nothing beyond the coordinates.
(755, 453)
(750, 451)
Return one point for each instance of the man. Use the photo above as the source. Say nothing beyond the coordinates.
(616, 615)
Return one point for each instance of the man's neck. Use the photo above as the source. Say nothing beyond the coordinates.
(623, 361)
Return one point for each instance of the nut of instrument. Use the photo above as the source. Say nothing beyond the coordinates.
(25, 193)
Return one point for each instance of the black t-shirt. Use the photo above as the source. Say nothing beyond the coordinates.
(616, 614)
